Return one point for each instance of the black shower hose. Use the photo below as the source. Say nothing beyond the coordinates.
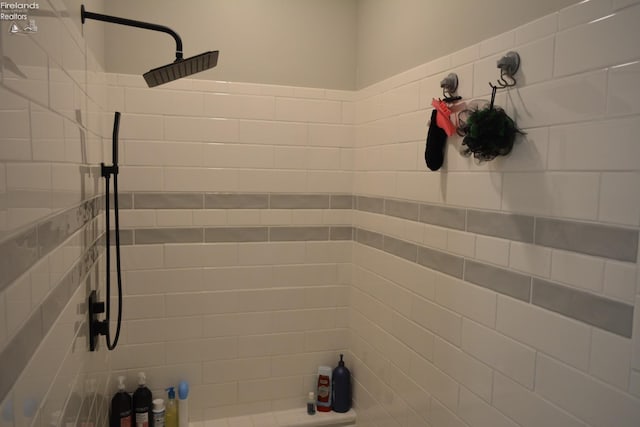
(111, 345)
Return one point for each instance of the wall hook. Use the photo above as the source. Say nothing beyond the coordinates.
(449, 85)
(509, 64)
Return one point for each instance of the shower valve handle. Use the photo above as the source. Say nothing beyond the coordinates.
(96, 327)
(98, 307)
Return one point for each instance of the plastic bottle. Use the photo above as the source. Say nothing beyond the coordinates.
(311, 403)
(183, 404)
(121, 407)
(324, 389)
(143, 411)
(341, 384)
(158, 413)
(171, 418)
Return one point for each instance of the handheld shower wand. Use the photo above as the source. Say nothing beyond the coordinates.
(97, 327)
(177, 69)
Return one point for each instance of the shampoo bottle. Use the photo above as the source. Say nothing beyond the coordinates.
(183, 405)
(143, 411)
(324, 389)
(171, 418)
(341, 383)
(121, 409)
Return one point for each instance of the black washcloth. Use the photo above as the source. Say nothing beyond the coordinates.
(436, 140)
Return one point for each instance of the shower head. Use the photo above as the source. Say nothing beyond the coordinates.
(181, 68)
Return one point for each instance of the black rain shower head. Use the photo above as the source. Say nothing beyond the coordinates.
(179, 68)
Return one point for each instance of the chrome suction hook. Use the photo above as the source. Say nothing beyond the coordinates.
(449, 85)
(509, 64)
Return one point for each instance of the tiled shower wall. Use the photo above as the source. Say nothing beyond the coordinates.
(52, 97)
(503, 293)
(477, 292)
(237, 221)
(268, 228)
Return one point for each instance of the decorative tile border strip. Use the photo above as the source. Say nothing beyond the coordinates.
(18, 351)
(598, 311)
(612, 242)
(148, 236)
(610, 315)
(572, 302)
(607, 241)
(167, 200)
(18, 253)
(503, 281)
(591, 239)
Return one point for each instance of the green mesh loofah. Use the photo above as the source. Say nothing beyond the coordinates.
(488, 133)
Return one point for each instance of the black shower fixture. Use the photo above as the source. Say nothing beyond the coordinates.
(101, 327)
(177, 69)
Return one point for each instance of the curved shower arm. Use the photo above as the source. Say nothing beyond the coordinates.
(133, 23)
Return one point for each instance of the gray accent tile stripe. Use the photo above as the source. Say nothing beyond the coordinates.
(298, 233)
(54, 231)
(299, 201)
(17, 255)
(126, 237)
(168, 200)
(341, 201)
(592, 239)
(17, 353)
(600, 240)
(236, 201)
(506, 226)
(125, 200)
(441, 261)
(236, 234)
(406, 210)
(59, 297)
(503, 281)
(21, 251)
(341, 233)
(57, 229)
(370, 204)
(443, 216)
(609, 315)
(369, 238)
(168, 235)
(612, 316)
(406, 250)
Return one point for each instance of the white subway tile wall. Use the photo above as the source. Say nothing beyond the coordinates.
(246, 300)
(55, 127)
(488, 361)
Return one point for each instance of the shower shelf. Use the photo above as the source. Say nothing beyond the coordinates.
(288, 418)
